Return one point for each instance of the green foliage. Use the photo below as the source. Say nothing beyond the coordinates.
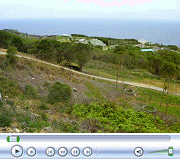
(172, 47)
(17, 42)
(10, 103)
(79, 35)
(44, 116)
(114, 118)
(9, 88)
(5, 39)
(59, 93)
(65, 126)
(5, 119)
(94, 92)
(169, 56)
(43, 107)
(64, 52)
(1, 103)
(45, 50)
(82, 53)
(30, 92)
(11, 54)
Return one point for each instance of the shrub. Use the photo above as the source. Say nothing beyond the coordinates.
(10, 103)
(43, 107)
(113, 118)
(30, 92)
(5, 119)
(1, 103)
(11, 54)
(59, 93)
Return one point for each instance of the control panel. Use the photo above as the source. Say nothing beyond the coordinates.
(90, 146)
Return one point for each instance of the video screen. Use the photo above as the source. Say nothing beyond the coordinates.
(89, 66)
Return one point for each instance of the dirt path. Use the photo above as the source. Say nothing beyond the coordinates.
(97, 77)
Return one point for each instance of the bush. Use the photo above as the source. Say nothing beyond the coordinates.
(30, 92)
(5, 120)
(114, 119)
(43, 107)
(59, 93)
(1, 103)
(11, 54)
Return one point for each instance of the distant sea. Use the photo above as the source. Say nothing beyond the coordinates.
(162, 32)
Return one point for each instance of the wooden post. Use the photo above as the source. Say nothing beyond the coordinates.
(167, 98)
(162, 94)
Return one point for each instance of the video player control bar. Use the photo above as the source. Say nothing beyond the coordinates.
(107, 146)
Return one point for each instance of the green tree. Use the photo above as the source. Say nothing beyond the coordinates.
(62, 53)
(5, 39)
(68, 53)
(17, 42)
(11, 54)
(45, 50)
(82, 53)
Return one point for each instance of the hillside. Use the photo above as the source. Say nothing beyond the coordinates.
(38, 96)
(29, 111)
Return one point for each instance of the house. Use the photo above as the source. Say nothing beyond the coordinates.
(84, 41)
(96, 42)
(147, 50)
(66, 35)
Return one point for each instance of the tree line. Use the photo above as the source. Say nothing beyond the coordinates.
(159, 63)
(48, 49)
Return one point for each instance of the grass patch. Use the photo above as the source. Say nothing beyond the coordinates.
(153, 98)
(94, 92)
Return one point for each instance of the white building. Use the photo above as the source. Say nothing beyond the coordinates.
(96, 42)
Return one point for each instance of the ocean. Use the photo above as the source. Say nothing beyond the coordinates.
(162, 32)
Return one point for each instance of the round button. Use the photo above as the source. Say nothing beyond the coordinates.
(31, 151)
(87, 151)
(63, 151)
(50, 151)
(138, 151)
(75, 152)
(17, 151)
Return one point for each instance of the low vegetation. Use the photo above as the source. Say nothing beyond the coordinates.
(36, 95)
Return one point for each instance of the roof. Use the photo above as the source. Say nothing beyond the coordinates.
(96, 42)
(146, 50)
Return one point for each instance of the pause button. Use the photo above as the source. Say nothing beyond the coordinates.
(75, 152)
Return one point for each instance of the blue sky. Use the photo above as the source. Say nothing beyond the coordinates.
(110, 9)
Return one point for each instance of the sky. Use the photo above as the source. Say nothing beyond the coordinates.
(167, 10)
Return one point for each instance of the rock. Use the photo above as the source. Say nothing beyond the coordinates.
(24, 123)
(4, 129)
(129, 91)
(17, 130)
(47, 130)
(74, 89)
(34, 116)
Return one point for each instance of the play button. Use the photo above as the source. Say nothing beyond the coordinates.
(138, 151)
(17, 151)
